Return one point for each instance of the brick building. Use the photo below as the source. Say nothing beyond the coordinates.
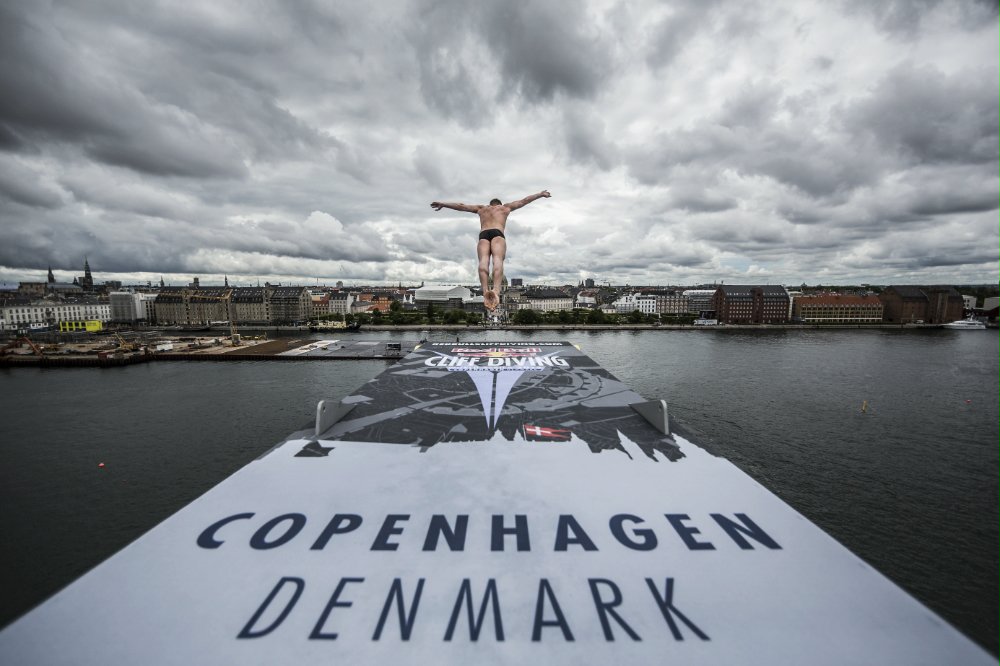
(770, 304)
(733, 304)
(751, 304)
(905, 304)
(837, 309)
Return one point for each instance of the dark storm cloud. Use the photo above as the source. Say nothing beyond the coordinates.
(58, 98)
(25, 186)
(179, 111)
(538, 50)
(952, 202)
(922, 115)
(787, 153)
(546, 48)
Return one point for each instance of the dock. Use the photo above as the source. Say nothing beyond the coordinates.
(219, 349)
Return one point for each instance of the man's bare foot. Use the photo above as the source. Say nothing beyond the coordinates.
(490, 300)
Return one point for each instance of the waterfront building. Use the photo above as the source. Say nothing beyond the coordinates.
(906, 304)
(208, 304)
(251, 306)
(170, 306)
(699, 301)
(441, 296)
(668, 301)
(320, 305)
(837, 309)
(751, 304)
(733, 304)
(290, 305)
(771, 304)
(148, 301)
(340, 302)
(192, 305)
(126, 306)
(23, 313)
(548, 300)
(630, 302)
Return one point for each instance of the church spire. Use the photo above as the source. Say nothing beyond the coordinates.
(52, 278)
(88, 279)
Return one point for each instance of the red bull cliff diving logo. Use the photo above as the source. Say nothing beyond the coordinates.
(495, 371)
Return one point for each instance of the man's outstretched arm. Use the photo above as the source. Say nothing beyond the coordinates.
(465, 208)
(514, 205)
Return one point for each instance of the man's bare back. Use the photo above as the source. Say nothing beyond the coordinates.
(492, 242)
(493, 217)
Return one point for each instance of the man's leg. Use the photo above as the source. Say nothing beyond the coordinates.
(483, 250)
(498, 249)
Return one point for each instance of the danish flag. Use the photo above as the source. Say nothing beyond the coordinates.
(541, 432)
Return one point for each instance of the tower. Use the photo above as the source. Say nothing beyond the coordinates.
(88, 279)
(52, 278)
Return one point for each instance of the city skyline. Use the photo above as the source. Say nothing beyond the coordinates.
(303, 144)
(70, 276)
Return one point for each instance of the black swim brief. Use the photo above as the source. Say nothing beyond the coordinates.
(490, 234)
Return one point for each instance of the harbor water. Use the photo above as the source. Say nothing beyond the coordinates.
(885, 439)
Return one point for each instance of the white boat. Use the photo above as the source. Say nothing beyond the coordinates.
(969, 324)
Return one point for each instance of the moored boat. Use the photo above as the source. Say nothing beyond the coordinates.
(967, 324)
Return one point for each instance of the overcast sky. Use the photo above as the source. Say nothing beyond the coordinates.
(833, 142)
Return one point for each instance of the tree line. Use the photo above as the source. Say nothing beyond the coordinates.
(396, 316)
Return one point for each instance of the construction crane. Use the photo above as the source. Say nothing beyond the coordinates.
(234, 336)
(123, 344)
(14, 344)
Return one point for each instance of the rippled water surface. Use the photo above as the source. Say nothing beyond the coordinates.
(910, 485)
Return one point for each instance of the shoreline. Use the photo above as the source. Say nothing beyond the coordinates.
(216, 348)
(647, 327)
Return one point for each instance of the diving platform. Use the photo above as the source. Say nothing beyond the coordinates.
(486, 502)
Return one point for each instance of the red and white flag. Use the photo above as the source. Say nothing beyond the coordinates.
(534, 432)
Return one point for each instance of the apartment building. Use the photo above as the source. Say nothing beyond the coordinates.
(548, 300)
(22, 313)
(837, 309)
(441, 296)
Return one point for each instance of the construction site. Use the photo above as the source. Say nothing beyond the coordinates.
(127, 348)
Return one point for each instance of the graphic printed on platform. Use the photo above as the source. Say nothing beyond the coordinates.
(474, 392)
